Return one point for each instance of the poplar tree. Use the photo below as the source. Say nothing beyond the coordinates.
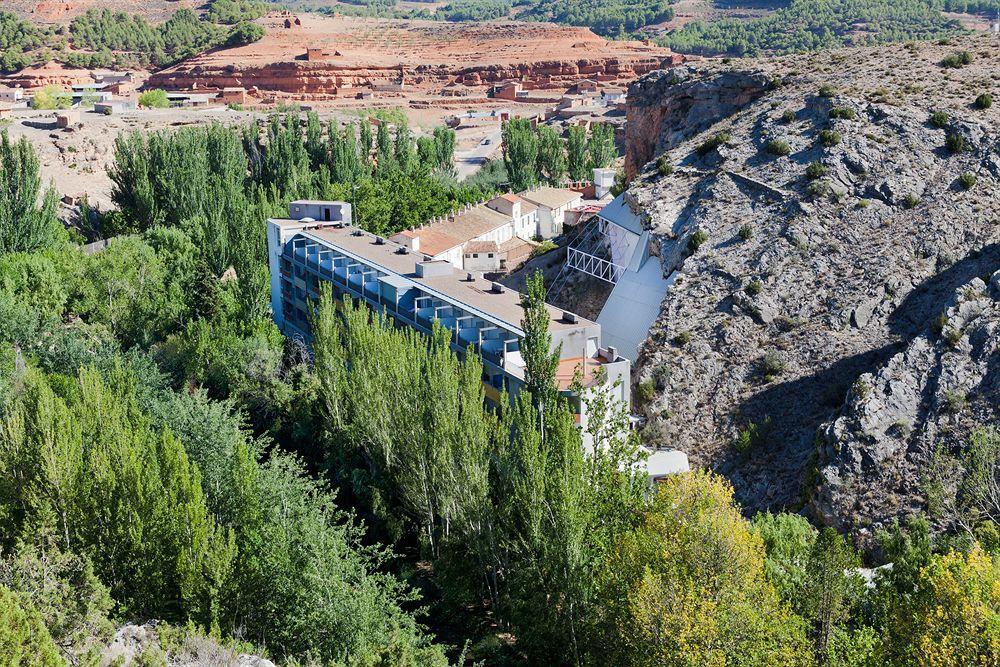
(24, 226)
(316, 147)
(520, 154)
(384, 149)
(551, 156)
(576, 153)
(444, 142)
(601, 147)
(541, 361)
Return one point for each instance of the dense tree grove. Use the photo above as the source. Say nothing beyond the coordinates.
(615, 18)
(166, 453)
(808, 25)
(532, 156)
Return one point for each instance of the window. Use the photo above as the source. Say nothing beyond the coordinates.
(490, 256)
(476, 255)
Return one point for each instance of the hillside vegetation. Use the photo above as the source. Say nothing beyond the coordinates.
(103, 38)
(808, 25)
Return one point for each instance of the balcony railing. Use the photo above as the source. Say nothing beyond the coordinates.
(595, 266)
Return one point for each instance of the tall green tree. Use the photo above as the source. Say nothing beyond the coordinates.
(540, 359)
(551, 156)
(576, 153)
(601, 147)
(24, 226)
(520, 154)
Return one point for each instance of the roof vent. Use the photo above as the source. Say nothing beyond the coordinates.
(470, 277)
(357, 232)
(497, 288)
(570, 318)
(402, 250)
(307, 219)
(379, 240)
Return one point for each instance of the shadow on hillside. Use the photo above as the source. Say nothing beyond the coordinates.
(771, 476)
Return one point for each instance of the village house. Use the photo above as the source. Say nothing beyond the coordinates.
(552, 204)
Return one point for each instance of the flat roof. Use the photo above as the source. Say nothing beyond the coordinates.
(550, 197)
(476, 295)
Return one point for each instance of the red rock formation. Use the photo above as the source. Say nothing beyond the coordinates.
(51, 73)
(428, 56)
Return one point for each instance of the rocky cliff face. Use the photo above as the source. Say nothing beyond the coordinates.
(876, 456)
(332, 78)
(819, 219)
(669, 106)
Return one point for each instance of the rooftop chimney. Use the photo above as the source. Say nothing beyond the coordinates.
(569, 317)
(497, 288)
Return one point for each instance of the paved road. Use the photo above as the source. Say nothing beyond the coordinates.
(469, 162)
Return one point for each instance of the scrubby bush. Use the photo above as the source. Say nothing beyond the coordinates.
(955, 143)
(751, 437)
(826, 90)
(967, 180)
(910, 200)
(717, 140)
(682, 339)
(788, 117)
(645, 391)
(771, 366)
(829, 138)
(844, 113)
(778, 147)
(754, 287)
(957, 60)
(984, 101)
(746, 231)
(815, 170)
(939, 119)
(663, 166)
(697, 240)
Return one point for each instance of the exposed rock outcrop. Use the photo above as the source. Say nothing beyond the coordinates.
(140, 644)
(817, 225)
(669, 106)
(875, 457)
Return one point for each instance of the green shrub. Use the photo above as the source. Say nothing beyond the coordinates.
(663, 166)
(826, 90)
(154, 99)
(845, 113)
(954, 402)
(815, 170)
(751, 437)
(682, 339)
(967, 180)
(788, 116)
(984, 101)
(864, 203)
(955, 143)
(939, 119)
(754, 287)
(771, 366)
(645, 391)
(910, 200)
(957, 60)
(697, 240)
(778, 147)
(829, 138)
(746, 231)
(719, 139)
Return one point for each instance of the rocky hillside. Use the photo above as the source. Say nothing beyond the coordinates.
(821, 217)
